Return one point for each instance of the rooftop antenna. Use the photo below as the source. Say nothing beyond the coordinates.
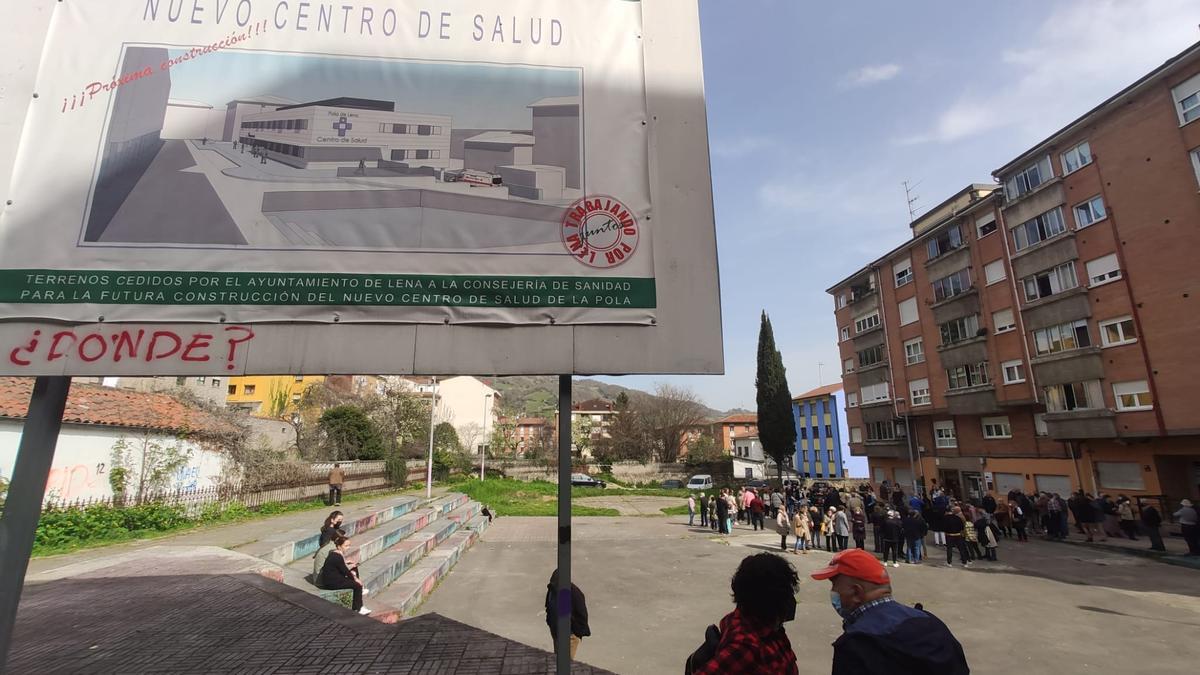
(911, 198)
(820, 382)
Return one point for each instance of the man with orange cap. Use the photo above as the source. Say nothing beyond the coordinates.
(880, 635)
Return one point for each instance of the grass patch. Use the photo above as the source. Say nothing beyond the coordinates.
(67, 530)
(512, 497)
(675, 510)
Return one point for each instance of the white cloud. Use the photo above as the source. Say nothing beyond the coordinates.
(1080, 55)
(868, 75)
(729, 148)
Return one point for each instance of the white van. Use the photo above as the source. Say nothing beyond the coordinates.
(700, 481)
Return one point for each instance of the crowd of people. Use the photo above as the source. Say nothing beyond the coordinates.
(828, 518)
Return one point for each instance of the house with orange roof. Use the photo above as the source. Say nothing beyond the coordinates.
(98, 420)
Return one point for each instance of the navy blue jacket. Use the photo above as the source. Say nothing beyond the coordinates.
(891, 638)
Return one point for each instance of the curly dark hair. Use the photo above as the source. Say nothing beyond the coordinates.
(764, 586)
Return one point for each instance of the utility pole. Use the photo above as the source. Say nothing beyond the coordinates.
(483, 450)
(429, 463)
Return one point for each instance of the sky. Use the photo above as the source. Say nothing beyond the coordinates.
(223, 76)
(817, 113)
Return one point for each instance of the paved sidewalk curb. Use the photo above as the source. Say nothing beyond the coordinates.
(1158, 556)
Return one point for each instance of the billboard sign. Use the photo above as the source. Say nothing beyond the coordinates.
(251, 178)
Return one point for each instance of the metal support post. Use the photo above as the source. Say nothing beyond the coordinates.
(429, 463)
(562, 643)
(23, 507)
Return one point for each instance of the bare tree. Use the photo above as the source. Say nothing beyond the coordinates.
(668, 415)
(470, 435)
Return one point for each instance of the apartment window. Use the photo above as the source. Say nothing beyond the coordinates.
(874, 392)
(908, 311)
(1133, 395)
(1089, 212)
(1120, 331)
(1061, 338)
(298, 378)
(985, 225)
(828, 434)
(866, 323)
(944, 436)
(881, 431)
(855, 435)
(201, 380)
(1014, 372)
(848, 366)
(845, 333)
(841, 300)
(1121, 475)
(1187, 100)
(249, 389)
(1039, 228)
(914, 351)
(903, 272)
(970, 375)
(994, 272)
(1039, 425)
(1076, 157)
(945, 242)
(1051, 282)
(852, 400)
(957, 330)
(952, 285)
(1196, 163)
(1103, 270)
(1028, 178)
(231, 390)
(870, 356)
(918, 392)
(1003, 321)
(996, 427)
(1074, 396)
(804, 433)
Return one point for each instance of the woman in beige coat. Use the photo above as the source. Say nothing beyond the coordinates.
(802, 528)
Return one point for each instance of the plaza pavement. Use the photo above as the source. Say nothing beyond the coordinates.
(653, 584)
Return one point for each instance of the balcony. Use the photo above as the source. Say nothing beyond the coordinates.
(971, 350)
(957, 306)
(949, 261)
(1078, 424)
(868, 338)
(1057, 309)
(1038, 200)
(977, 400)
(874, 366)
(893, 449)
(1044, 255)
(1075, 365)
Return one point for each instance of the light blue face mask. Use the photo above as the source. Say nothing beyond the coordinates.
(836, 601)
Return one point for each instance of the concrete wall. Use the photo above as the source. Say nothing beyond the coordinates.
(133, 139)
(210, 389)
(490, 159)
(556, 129)
(83, 459)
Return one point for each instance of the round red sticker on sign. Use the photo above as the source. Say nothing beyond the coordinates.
(600, 231)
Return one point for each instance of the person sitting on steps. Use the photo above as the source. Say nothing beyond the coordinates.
(321, 554)
(337, 575)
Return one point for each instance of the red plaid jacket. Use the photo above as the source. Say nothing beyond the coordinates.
(748, 646)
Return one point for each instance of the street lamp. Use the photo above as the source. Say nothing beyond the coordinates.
(483, 448)
(912, 470)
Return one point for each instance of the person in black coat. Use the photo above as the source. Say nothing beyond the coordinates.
(337, 575)
(579, 614)
(703, 510)
(914, 528)
(1152, 520)
(333, 522)
(722, 514)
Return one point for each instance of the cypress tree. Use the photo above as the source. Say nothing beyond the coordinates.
(776, 427)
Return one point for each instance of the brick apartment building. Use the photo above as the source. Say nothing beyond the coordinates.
(1039, 333)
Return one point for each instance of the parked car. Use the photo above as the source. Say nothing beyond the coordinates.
(672, 484)
(584, 480)
(700, 481)
(757, 484)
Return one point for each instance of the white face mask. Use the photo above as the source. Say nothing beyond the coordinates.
(836, 601)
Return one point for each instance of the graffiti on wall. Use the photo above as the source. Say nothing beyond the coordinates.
(78, 481)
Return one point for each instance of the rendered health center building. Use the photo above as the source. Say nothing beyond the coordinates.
(345, 131)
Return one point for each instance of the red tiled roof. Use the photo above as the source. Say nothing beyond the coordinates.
(742, 437)
(819, 392)
(111, 407)
(593, 405)
(531, 422)
(740, 418)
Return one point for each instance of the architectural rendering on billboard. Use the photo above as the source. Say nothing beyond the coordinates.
(265, 161)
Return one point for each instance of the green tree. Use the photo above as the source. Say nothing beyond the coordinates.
(153, 463)
(445, 438)
(349, 434)
(776, 426)
(627, 435)
(504, 437)
(279, 397)
(703, 449)
(581, 435)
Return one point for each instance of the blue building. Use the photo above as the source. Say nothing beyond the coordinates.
(821, 441)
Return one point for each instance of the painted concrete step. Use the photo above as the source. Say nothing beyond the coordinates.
(411, 588)
(373, 542)
(285, 547)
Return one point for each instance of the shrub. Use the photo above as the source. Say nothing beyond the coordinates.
(397, 470)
